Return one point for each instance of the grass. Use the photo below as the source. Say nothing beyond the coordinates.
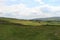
(19, 31)
(24, 22)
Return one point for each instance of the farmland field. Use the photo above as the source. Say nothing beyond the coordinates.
(13, 29)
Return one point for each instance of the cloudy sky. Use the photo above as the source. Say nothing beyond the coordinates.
(27, 9)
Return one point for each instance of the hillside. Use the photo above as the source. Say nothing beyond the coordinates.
(14, 29)
(20, 21)
(48, 19)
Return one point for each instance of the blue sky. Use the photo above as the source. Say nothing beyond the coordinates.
(28, 3)
(28, 9)
(52, 2)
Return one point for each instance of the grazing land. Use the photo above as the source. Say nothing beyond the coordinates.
(14, 29)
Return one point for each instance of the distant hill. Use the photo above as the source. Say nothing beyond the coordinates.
(48, 19)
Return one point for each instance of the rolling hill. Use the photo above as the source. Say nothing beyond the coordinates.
(48, 19)
(15, 29)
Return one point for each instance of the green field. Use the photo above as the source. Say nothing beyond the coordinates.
(13, 29)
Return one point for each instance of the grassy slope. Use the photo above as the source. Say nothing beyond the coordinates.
(24, 22)
(10, 31)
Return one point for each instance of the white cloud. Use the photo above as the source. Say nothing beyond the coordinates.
(40, 1)
(22, 11)
(2, 2)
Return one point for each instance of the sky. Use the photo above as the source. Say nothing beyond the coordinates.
(28, 9)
